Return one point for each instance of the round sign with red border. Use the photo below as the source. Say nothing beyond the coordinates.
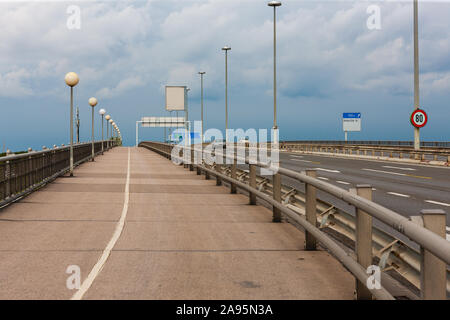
(419, 118)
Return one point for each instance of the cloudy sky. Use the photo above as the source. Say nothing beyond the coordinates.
(125, 52)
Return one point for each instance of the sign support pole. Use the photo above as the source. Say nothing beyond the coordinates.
(416, 72)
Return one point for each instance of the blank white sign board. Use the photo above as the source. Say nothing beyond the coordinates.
(175, 98)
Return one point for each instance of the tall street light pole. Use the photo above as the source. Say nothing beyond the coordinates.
(72, 80)
(275, 4)
(77, 122)
(107, 118)
(102, 113)
(93, 102)
(416, 72)
(226, 49)
(202, 73)
(111, 128)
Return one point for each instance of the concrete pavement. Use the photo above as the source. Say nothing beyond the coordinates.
(180, 237)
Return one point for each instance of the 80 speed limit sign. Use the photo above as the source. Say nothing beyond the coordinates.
(419, 118)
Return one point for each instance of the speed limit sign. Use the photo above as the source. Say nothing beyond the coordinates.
(419, 118)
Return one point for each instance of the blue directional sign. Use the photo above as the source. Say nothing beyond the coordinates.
(352, 121)
(352, 116)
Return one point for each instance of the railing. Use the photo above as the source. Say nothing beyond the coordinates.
(308, 211)
(22, 174)
(424, 144)
(435, 151)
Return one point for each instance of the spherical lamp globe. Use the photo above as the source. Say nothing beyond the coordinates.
(93, 102)
(72, 79)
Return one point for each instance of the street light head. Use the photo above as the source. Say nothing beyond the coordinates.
(274, 4)
(72, 79)
(102, 112)
(108, 117)
(93, 102)
(226, 48)
(111, 121)
(202, 72)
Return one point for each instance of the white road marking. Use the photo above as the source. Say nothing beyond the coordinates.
(438, 203)
(406, 169)
(373, 189)
(398, 174)
(104, 257)
(388, 172)
(301, 160)
(323, 178)
(399, 195)
(327, 170)
(343, 182)
(298, 157)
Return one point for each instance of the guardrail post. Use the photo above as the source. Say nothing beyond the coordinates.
(191, 163)
(311, 205)
(363, 243)
(433, 270)
(233, 188)
(252, 183)
(276, 181)
(8, 179)
(199, 160)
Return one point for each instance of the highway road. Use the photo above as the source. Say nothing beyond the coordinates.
(404, 188)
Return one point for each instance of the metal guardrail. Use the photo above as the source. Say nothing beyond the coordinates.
(390, 151)
(23, 173)
(424, 144)
(392, 253)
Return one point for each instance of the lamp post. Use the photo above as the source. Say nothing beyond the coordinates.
(71, 80)
(275, 4)
(202, 73)
(111, 129)
(107, 118)
(77, 122)
(416, 72)
(102, 113)
(226, 49)
(93, 102)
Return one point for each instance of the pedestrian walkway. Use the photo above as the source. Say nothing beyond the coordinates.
(139, 227)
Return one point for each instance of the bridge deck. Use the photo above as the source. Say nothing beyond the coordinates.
(183, 238)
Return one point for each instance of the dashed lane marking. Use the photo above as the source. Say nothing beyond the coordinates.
(343, 182)
(405, 169)
(399, 195)
(398, 174)
(438, 203)
(327, 170)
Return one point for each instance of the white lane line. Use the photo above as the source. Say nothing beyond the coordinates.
(343, 182)
(406, 169)
(323, 178)
(327, 170)
(298, 160)
(438, 203)
(398, 174)
(298, 157)
(399, 195)
(104, 257)
(388, 172)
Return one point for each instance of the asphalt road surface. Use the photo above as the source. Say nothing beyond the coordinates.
(403, 188)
